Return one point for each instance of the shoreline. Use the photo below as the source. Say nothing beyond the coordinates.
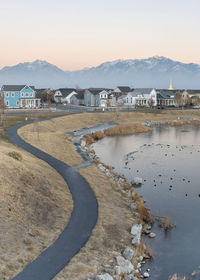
(141, 222)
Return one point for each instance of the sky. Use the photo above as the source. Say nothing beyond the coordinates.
(74, 34)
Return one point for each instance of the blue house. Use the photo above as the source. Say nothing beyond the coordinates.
(20, 96)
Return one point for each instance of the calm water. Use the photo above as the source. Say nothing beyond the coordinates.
(168, 158)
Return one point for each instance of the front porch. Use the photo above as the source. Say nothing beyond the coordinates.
(30, 103)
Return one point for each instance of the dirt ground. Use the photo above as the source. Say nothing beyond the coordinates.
(35, 205)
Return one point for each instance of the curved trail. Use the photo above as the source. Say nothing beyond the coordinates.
(79, 228)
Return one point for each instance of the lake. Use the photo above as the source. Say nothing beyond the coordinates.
(168, 159)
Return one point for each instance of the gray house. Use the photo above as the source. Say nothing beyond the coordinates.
(96, 97)
(77, 99)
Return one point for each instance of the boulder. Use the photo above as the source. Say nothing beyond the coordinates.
(136, 230)
(152, 235)
(133, 205)
(126, 266)
(117, 270)
(146, 275)
(136, 240)
(130, 277)
(136, 181)
(105, 276)
(128, 253)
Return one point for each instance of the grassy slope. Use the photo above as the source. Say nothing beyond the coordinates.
(35, 206)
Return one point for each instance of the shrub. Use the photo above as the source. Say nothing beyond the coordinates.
(15, 155)
(144, 213)
(98, 135)
(126, 129)
(165, 223)
(88, 139)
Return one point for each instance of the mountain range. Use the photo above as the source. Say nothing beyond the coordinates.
(154, 72)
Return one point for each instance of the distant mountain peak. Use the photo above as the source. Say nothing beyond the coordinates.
(152, 72)
(159, 57)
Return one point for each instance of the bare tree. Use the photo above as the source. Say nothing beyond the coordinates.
(196, 101)
(179, 101)
(151, 102)
(2, 112)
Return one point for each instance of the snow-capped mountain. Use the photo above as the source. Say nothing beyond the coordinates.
(151, 72)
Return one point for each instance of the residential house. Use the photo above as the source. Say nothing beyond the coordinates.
(96, 97)
(122, 89)
(145, 97)
(78, 99)
(63, 95)
(166, 97)
(20, 96)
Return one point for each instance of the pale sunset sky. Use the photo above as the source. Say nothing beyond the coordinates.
(74, 34)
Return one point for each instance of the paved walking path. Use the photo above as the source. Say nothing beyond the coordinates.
(79, 229)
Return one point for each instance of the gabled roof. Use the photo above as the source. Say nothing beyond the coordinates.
(15, 87)
(96, 91)
(66, 91)
(166, 95)
(79, 95)
(141, 91)
(124, 88)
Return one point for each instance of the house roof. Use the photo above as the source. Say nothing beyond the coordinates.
(66, 91)
(96, 90)
(79, 95)
(124, 88)
(166, 95)
(15, 87)
(193, 91)
(141, 91)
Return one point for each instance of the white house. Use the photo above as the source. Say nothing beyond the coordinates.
(63, 95)
(145, 97)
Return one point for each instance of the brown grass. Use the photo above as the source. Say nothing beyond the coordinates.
(126, 129)
(88, 139)
(149, 253)
(98, 135)
(176, 277)
(165, 223)
(35, 206)
(144, 213)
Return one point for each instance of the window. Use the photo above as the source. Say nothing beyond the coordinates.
(22, 94)
(7, 103)
(26, 94)
(31, 94)
(17, 102)
(13, 94)
(7, 94)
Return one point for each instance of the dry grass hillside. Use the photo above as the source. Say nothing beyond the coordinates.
(35, 205)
